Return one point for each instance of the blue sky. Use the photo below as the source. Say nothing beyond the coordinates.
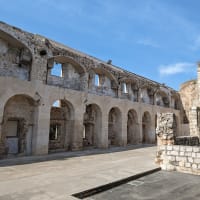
(158, 39)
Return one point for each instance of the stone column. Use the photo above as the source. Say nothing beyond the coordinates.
(77, 137)
(166, 128)
(193, 117)
(84, 81)
(2, 146)
(41, 130)
(1, 120)
(165, 131)
(119, 93)
(123, 139)
(103, 138)
(2, 138)
(1, 113)
(140, 129)
(39, 69)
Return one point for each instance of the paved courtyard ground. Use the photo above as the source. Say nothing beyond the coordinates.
(58, 176)
(158, 186)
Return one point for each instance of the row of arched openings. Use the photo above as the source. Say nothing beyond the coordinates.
(62, 129)
(101, 81)
(19, 120)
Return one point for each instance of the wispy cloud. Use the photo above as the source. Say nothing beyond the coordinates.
(148, 42)
(177, 68)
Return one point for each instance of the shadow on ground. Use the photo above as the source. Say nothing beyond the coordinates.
(157, 186)
(64, 155)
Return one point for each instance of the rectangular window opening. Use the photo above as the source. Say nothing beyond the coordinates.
(57, 69)
(84, 132)
(57, 104)
(124, 85)
(97, 80)
(54, 131)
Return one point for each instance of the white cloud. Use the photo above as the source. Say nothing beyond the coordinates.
(148, 42)
(176, 68)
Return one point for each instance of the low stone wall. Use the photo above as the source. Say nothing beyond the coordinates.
(180, 158)
(173, 157)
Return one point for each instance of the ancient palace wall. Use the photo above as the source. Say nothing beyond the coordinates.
(55, 98)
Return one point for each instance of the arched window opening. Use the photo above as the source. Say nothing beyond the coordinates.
(18, 124)
(133, 135)
(61, 126)
(55, 130)
(92, 126)
(146, 128)
(114, 127)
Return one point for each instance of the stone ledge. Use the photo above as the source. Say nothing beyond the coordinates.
(187, 140)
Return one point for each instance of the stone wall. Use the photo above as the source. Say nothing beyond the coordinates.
(117, 93)
(78, 69)
(166, 128)
(176, 157)
(180, 158)
(188, 93)
(12, 63)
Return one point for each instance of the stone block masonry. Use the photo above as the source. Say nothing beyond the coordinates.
(173, 157)
(180, 158)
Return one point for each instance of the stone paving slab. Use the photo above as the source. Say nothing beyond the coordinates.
(58, 176)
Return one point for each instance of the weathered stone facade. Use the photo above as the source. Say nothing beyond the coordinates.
(189, 93)
(166, 128)
(54, 98)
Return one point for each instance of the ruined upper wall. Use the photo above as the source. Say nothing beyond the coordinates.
(31, 57)
(38, 45)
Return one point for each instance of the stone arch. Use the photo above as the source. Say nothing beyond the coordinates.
(132, 85)
(162, 99)
(135, 90)
(66, 59)
(107, 83)
(176, 103)
(15, 57)
(18, 124)
(92, 125)
(71, 74)
(146, 127)
(18, 43)
(147, 94)
(100, 70)
(114, 126)
(61, 126)
(133, 135)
